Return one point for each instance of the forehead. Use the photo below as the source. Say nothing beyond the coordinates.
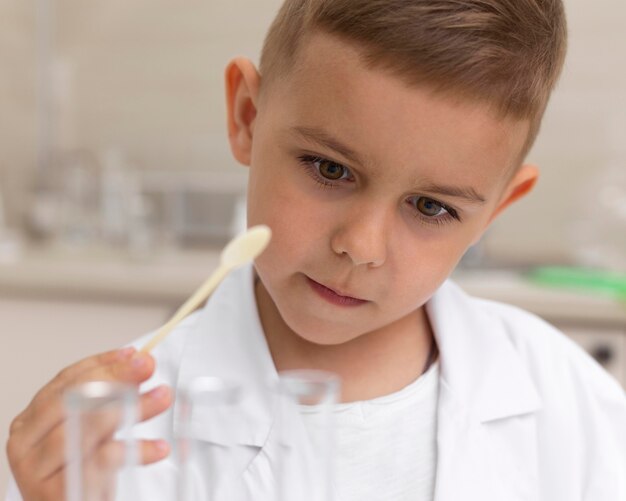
(389, 123)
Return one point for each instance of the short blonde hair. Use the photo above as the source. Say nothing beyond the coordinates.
(507, 53)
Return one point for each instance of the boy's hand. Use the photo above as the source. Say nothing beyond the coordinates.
(36, 445)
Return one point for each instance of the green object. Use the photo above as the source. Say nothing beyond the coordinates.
(602, 281)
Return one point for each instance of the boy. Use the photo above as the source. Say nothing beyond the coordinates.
(382, 137)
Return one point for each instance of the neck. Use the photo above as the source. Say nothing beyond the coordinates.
(373, 364)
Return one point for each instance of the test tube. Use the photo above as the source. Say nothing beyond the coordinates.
(206, 452)
(306, 430)
(100, 414)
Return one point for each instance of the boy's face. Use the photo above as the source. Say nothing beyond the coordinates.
(372, 188)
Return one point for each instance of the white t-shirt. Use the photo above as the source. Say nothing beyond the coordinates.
(386, 447)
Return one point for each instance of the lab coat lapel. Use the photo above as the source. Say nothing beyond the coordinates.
(228, 343)
(486, 437)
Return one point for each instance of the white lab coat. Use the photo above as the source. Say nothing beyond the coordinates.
(523, 413)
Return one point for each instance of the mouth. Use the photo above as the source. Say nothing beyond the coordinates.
(334, 296)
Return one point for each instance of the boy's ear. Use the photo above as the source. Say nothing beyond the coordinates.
(520, 185)
(242, 90)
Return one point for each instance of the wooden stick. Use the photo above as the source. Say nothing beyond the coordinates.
(201, 295)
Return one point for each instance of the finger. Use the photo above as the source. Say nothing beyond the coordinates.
(98, 474)
(112, 455)
(45, 414)
(154, 402)
(96, 427)
(109, 357)
(69, 374)
(152, 451)
(32, 429)
(73, 372)
(83, 436)
(52, 489)
(99, 470)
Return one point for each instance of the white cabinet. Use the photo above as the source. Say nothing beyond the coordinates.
(607, 346)
(58, 307)
(40, 337)
(596, 322)
(102, 303)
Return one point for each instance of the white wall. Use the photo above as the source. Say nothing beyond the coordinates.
(146, 76)
(17, 100)
(39, 337)
(583, 127)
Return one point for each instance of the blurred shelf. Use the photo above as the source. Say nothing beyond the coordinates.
(166, 278)
(557, 305)
(169, 277)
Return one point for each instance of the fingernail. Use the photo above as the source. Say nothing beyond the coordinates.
(162, 447)
(126, 352)
(139, 361)
(159, 392)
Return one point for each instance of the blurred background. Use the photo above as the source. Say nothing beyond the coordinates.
(117, 187)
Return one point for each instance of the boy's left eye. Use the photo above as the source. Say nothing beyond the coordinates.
(430, 208)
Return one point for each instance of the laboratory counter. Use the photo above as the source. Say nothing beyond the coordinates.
(169, 277)
(57, 307)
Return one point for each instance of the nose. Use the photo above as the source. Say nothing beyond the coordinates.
(363, 236)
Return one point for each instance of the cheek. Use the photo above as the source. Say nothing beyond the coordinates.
(425, 263)
(282, 209)
(283, 197)
(297, 227)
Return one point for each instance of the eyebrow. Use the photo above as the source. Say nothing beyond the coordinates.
(322, 138)
(468, 194)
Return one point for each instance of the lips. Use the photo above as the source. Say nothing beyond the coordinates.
(334, 296)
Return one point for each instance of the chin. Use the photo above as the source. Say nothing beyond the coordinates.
(319, 331)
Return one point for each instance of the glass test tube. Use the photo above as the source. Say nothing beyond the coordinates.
(100, 415)
(306, 431)
(206, 451)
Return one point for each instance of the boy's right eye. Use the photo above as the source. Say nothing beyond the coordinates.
(325, 171)
(331, 170)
